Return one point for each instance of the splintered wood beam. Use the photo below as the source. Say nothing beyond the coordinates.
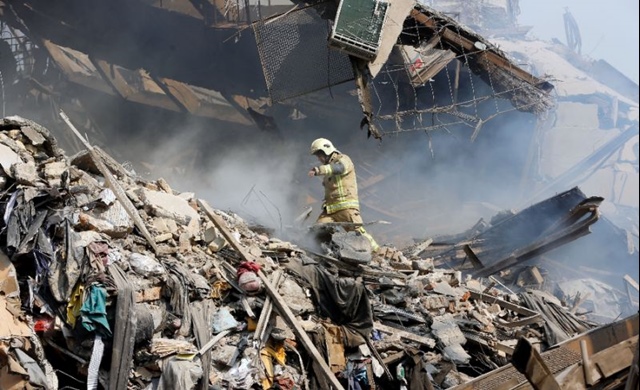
(212, 342)
(632, 381)
(504, 304)
(528, 361)
(113, 184)
(456, 40)
(288, 315)
(428, 341)
(277, 299)
(477, 264)
(631, 282)
(267, 308)
(224, 231)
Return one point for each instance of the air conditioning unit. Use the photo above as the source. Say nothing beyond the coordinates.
(358, 27)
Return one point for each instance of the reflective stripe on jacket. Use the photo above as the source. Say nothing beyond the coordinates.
(340, 187)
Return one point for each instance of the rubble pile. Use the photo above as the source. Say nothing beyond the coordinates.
(112, 281)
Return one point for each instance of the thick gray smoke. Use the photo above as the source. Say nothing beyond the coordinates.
(426, 184)
(422, 190)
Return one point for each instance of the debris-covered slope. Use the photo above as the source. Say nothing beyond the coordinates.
(111, 281)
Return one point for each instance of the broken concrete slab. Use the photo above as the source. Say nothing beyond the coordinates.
(169, 206)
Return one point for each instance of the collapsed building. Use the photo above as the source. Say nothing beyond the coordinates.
(121, 281)
(114, 281)
(122, 76)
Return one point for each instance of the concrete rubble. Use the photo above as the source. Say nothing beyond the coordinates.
(180, 295)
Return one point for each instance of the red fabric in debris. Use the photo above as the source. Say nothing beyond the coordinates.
(284, 383)
(248, 266)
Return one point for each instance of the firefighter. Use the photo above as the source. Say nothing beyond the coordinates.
(340, 188)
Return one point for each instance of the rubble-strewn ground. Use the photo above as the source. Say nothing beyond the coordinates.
(112, 281)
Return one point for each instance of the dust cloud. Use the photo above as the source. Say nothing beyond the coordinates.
(422, 192)
(425, 184)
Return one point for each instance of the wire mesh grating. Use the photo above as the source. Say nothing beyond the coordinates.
(294, 53)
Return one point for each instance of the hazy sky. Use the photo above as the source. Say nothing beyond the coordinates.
(609, 30)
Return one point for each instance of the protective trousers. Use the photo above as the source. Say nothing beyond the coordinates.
(349, 215)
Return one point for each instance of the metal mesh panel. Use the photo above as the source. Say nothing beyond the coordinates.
(556, 359)
(295, 56)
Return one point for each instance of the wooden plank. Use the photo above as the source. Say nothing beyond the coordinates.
(299, 332)
(72, 355)
(405, 335)
(631, 282)
(184, 7)
(111, 75)
(632, 382)
(114, 185)
(77, 67)
(421, 247)
(201, 325)
(528, 361)
(112, 164)
(597, 339)
(477, 264)
(523, 322)
(278, 301)
(267, 308)
(247, 308)
(586, 363)
(504, 304)
(615, 359)
(457, 40)
(504, 348)
(396, 357)
(224, 231)
(182, 94)
(213, 342)
(376, 355)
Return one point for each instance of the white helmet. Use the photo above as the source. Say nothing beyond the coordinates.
(322, 144)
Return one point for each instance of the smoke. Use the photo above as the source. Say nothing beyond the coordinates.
(249, 172)
(618, 46)
(460, 183)
(257, 181)
(425, 184)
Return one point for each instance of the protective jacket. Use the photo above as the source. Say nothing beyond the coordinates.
(340, 186)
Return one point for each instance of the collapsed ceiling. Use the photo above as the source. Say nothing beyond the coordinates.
(246, 68)
(210, 62)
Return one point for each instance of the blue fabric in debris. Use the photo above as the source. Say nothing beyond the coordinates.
(357, 375)
(94, 311)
